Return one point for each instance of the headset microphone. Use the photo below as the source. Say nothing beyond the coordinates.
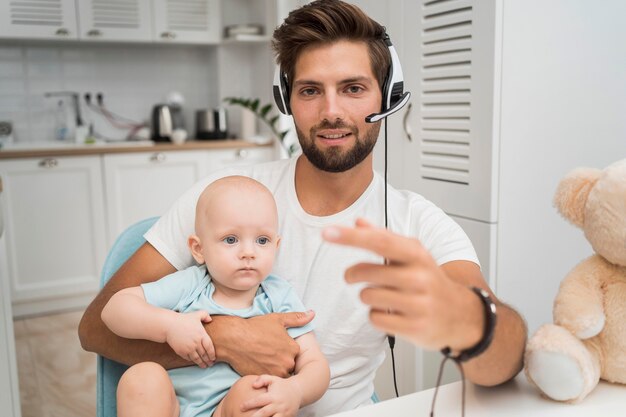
(374, 117)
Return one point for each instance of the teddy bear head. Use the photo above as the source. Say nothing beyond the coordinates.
(595, 201)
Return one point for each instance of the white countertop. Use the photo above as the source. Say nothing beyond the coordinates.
(516, 398)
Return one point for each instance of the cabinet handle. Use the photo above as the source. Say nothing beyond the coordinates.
(168, 35)
(241, 153)
(405, 124)
(158, 158)
(62, 32)
(48, 163)
(94, 33)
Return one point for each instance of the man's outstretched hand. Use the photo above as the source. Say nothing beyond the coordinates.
(258, 345)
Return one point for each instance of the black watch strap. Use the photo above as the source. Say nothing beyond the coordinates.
(489, 308)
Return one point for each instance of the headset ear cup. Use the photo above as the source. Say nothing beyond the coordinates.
(280, 91)
(386, 91)
(285, 92)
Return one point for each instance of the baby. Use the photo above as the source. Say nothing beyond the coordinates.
(235, 245)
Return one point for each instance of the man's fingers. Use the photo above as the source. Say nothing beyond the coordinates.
(296, 319)
(392, 276)
(395, 248)
(384, 299)
(395, 324)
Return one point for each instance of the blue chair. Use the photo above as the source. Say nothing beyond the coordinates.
(109, 372)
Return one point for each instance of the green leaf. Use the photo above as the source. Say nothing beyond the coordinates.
(272, 121)
(265, 109)
(254, 105)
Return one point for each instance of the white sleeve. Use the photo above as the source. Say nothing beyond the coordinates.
(170, 233)
(442, 236)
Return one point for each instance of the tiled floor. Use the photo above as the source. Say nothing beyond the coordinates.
(57, 378)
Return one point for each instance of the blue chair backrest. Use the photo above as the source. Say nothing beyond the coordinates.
(109, 372)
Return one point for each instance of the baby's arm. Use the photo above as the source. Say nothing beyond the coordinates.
(128, 315)
(311, 374)
(286, 395)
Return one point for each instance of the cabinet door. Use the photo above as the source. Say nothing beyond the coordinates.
(146, 184)
(52, 19)
(9, 389)
(187, 21)
(223, 158)
(54, 231)
(121, 20)
(450, 66)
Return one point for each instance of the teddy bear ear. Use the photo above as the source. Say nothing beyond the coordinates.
(572, 192)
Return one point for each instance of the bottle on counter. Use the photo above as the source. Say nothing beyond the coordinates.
(61, 131)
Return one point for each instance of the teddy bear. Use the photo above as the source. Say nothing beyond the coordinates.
(587, 341)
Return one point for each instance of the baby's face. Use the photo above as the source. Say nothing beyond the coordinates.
(240, 240)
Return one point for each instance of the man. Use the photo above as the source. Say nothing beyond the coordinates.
(335, 60)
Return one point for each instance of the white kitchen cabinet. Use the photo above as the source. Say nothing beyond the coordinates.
(187, 21)
(9, 386)
(53, 19)
(223, 158)
(142, 185)
(121, 20)
(54, 231)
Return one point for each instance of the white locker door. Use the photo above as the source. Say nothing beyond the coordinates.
(449, 68)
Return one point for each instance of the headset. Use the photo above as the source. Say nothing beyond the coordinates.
(394, 96)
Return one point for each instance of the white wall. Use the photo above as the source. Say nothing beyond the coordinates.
(132, 77)
(563, 104)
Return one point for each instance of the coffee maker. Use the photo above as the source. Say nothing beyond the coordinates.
(165, 119)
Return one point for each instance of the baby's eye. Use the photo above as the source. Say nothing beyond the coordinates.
(262, 240)
(230, 240)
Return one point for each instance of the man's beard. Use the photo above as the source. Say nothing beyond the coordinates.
(333, 159)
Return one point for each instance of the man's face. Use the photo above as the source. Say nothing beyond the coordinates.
(334, 89)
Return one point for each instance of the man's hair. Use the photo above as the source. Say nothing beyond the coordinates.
(325, 22)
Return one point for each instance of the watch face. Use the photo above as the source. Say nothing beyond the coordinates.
(6, 128)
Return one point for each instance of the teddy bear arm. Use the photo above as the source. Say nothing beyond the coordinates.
(579, 303)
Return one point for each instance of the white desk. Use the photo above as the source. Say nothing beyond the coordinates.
(516, 398)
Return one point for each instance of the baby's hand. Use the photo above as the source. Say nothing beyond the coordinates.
(283, 397)
(186, 335)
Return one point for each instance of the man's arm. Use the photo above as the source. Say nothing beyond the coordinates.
(268, 347)
(504, 357)
(432, 306)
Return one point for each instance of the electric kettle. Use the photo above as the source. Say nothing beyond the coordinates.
(165, 119)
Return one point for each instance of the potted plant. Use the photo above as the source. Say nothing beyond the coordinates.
(264, 113)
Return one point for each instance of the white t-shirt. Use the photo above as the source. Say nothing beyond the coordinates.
(315, 268)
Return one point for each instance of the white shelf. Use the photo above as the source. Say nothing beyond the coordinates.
(246, 39)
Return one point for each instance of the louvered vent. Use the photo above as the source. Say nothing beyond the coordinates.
(123, 14)
(36, 12)
(446, 83)
(188, 15)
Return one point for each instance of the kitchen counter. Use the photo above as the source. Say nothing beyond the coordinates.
(47, 149)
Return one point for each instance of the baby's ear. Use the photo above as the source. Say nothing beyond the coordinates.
(195, 246)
